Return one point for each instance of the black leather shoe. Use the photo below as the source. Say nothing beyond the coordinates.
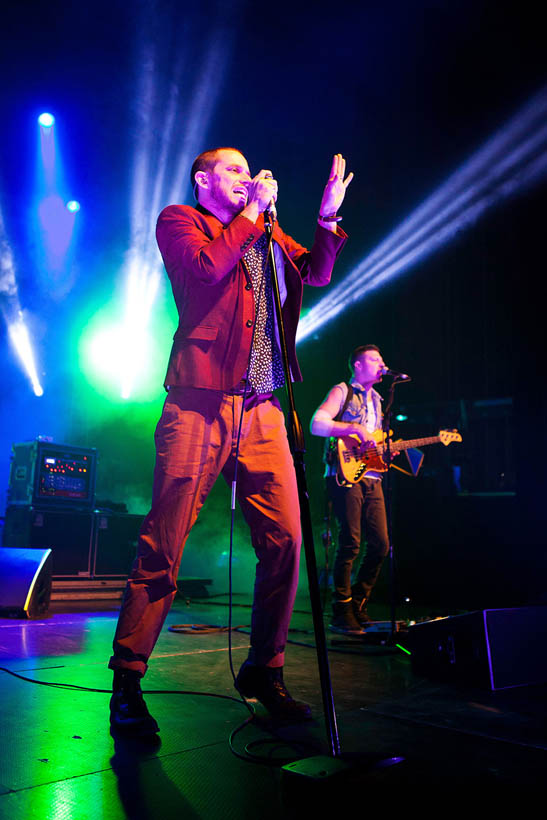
(128, 711)
(266, 684)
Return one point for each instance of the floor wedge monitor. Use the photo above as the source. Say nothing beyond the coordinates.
(25, 582)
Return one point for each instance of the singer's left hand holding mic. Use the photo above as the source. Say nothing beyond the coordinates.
(262, 190)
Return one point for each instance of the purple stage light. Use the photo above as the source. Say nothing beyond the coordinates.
(57, 224)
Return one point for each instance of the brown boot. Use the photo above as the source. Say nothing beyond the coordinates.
(343, 620)
(359, 606)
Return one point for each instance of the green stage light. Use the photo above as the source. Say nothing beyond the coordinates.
(108, 352)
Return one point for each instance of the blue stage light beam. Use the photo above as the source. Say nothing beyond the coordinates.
(20, 339)
(12, 313)
(48, 163)
(513, 160)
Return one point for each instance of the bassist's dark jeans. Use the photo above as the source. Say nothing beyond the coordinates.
(356, 507)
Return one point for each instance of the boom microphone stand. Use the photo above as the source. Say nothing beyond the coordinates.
(386, 426)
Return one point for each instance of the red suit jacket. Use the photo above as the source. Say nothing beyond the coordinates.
(214, 294)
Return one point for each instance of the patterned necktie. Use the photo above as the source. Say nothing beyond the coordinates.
(266, 368)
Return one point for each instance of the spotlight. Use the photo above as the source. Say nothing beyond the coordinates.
(46, 120)
(73, 206)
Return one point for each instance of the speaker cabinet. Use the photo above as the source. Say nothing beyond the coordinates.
(490, 648)
(25, 582)
(116, 536)
(83, 544)
(68, 534)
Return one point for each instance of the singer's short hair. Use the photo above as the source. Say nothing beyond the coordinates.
(354, 355)
(206, 161)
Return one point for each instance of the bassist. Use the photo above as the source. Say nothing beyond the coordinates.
(355, 409)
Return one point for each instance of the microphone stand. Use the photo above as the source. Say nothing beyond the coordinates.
(297, 446)
(386, 426)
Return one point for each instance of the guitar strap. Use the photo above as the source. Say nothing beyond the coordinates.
(348, 398)
(329, 452)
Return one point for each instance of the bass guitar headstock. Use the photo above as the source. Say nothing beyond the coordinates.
(448, 436)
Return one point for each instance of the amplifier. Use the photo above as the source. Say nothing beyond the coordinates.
(53, 475)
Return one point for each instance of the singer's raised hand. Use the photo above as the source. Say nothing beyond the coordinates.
(336, 187)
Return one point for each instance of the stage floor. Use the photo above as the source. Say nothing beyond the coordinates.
(58, 759)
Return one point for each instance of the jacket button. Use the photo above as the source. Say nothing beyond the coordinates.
(249, 322)
(248, 286)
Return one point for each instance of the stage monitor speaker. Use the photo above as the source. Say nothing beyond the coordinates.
(491, 648)
(25, 582)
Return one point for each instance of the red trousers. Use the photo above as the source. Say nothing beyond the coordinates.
(196, 440)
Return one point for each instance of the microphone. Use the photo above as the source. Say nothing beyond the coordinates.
(271, 209)
(404, 377)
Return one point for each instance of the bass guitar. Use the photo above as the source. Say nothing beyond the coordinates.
(355, 459)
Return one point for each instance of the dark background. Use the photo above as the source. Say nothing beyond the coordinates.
(407, 92)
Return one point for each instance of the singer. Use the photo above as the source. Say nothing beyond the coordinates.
(354, 409)
(225, 363)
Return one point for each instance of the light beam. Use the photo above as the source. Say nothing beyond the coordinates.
(20, 339)
(163, 157)
(514, 159)
(13, 316)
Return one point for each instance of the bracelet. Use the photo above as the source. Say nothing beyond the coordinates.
(330, 218)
